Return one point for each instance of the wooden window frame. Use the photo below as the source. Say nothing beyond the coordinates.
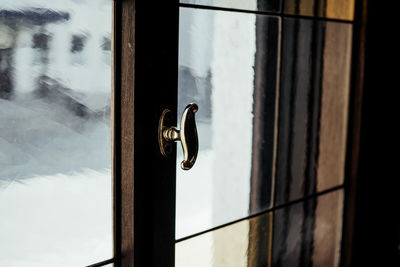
(145, 83)
(145, 79)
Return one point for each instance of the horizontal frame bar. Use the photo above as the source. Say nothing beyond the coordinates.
(336, 188)
(277, 14)
(102, 263)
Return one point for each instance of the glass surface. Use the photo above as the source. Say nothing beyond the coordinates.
(314, 94)
(228, 66)
(55, 136)
(309, 233)
(256, 5)
(335, 9)
(243, 244)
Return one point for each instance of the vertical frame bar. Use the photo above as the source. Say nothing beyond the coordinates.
(354, 126)
(373, 216)
(156, 84)
(124, 38)
(146, 77)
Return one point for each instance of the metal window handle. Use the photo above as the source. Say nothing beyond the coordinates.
(168, 134)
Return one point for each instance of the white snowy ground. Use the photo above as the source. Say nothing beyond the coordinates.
(58, 220)
(55, 186)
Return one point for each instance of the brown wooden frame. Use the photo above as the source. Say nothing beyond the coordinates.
(145, 83)
(124, 39)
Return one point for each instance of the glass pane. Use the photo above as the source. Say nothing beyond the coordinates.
(335, 9)
(55, 136)
(243, 244)
(314, 96)
(228, 66)
(309, 233)
(256, 5)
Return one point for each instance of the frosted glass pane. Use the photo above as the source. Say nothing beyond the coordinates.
(55, 135)
(314, 88)
(243, 244)
(309, 233)
(228, 65)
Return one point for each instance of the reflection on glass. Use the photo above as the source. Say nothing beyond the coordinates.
(55, 137)
(309, 233)
(243, 244)
(335, 9)
(313, 108)
(260, 5)
(228, 66)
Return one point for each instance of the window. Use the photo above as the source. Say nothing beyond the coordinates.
(56, 197)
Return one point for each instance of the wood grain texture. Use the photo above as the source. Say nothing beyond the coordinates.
(334, 105)
(127, 131)
(340, 9)
(124, 53)
(333, 9)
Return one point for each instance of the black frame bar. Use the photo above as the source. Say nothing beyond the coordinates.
(156, 83)
(102, 263)
(146, 77)
(373, 220)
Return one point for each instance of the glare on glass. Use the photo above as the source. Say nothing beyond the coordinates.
(228, 66)
(55, 136)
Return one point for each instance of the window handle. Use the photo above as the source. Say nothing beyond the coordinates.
(167, 135)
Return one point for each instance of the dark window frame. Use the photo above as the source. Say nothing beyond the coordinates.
(145, 42)
(145, 46)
